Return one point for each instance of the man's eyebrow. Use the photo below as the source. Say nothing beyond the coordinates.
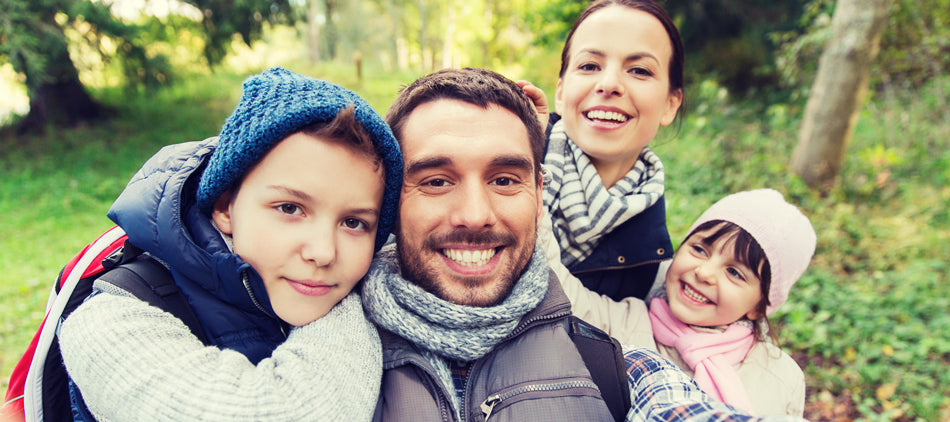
(427, 163)
(513, 161)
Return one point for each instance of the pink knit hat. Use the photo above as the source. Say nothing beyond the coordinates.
(783, 232)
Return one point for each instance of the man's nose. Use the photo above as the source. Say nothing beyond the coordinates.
(473, 208)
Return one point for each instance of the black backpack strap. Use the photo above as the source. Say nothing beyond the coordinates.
(604, 359)
(147, 279)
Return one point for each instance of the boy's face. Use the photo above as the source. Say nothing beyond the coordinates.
(707, 286)
(305, 218)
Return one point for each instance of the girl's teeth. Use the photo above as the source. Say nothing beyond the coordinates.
(606, 115)
(692, 294)
(470, 258)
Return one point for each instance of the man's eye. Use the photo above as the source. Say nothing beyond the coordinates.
(503, 181)
(436, 183)
(354, 224)
(289, 209)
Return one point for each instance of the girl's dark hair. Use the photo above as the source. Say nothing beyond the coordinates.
(749, 253)
(678, 59)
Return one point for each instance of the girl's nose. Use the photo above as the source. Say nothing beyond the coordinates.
(706, 272)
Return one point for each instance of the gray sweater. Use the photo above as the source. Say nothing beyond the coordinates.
(133, 361)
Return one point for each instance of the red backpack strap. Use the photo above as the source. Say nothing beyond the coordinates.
(24, 394)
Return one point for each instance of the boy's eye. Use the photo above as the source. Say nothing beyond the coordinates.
(354, 224)
(290, 209)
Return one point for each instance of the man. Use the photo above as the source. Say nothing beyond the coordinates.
(469, 313)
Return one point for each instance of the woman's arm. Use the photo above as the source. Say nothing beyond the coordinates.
(627, 320)
(130, 359)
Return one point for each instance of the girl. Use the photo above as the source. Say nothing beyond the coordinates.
(266, 230)
(621, 78)
(710, 305)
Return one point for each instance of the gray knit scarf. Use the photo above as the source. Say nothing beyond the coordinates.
(581, 208)
(443, 329)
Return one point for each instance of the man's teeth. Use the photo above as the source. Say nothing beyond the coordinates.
(692, 294)
(606, 115)
(469, 257)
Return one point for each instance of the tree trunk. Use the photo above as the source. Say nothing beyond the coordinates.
(838, 92)
(56, 95)
(313, 32)
(330, 28)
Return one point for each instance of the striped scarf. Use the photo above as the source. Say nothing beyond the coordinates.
(441, 329)
(582, 209)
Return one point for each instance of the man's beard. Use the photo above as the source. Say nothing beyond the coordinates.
(469, 291)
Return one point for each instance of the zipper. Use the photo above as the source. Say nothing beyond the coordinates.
(488, 406)
(619, 267)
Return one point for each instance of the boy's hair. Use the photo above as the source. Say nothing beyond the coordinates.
(747, 252)
(480, 87)
(347, 131)
(278, 103)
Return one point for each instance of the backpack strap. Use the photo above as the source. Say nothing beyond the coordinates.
(147, 279)
(604, 359)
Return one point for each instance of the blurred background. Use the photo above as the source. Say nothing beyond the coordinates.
(90, 89)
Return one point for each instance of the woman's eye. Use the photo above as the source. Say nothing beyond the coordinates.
(290, 209)
(354, 224)
(639, 71)
(588, 67)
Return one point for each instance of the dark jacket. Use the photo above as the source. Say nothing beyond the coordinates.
(157, 210)
(534, 374)
(626, 260)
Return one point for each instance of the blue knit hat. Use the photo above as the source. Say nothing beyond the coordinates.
(278, 103)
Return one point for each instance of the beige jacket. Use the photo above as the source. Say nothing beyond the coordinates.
(774, 381)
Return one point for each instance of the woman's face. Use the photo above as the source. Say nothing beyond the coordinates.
(615, 91)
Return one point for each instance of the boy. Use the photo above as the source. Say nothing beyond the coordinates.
(266, 230)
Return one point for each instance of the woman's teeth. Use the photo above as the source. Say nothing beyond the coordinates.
(606, 115)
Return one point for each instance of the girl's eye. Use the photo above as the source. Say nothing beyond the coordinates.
(290, 209)
(735, 273)
(354, 224)
(699, 250)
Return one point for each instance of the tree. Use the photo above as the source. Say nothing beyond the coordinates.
(33, 40)
(838, 91)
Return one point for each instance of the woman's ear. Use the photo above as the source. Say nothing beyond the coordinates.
(673, 102)
(221, 213)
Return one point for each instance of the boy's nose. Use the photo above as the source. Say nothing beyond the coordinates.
(320, 248)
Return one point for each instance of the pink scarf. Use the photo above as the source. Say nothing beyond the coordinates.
(712, 356)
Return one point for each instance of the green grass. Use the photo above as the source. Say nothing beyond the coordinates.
(868, 321)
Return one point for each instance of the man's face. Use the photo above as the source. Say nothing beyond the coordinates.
(470, 201)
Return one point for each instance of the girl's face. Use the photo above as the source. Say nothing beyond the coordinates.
(707, 286)
(615, 91)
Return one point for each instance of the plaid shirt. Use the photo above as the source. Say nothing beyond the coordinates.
(660, 391)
